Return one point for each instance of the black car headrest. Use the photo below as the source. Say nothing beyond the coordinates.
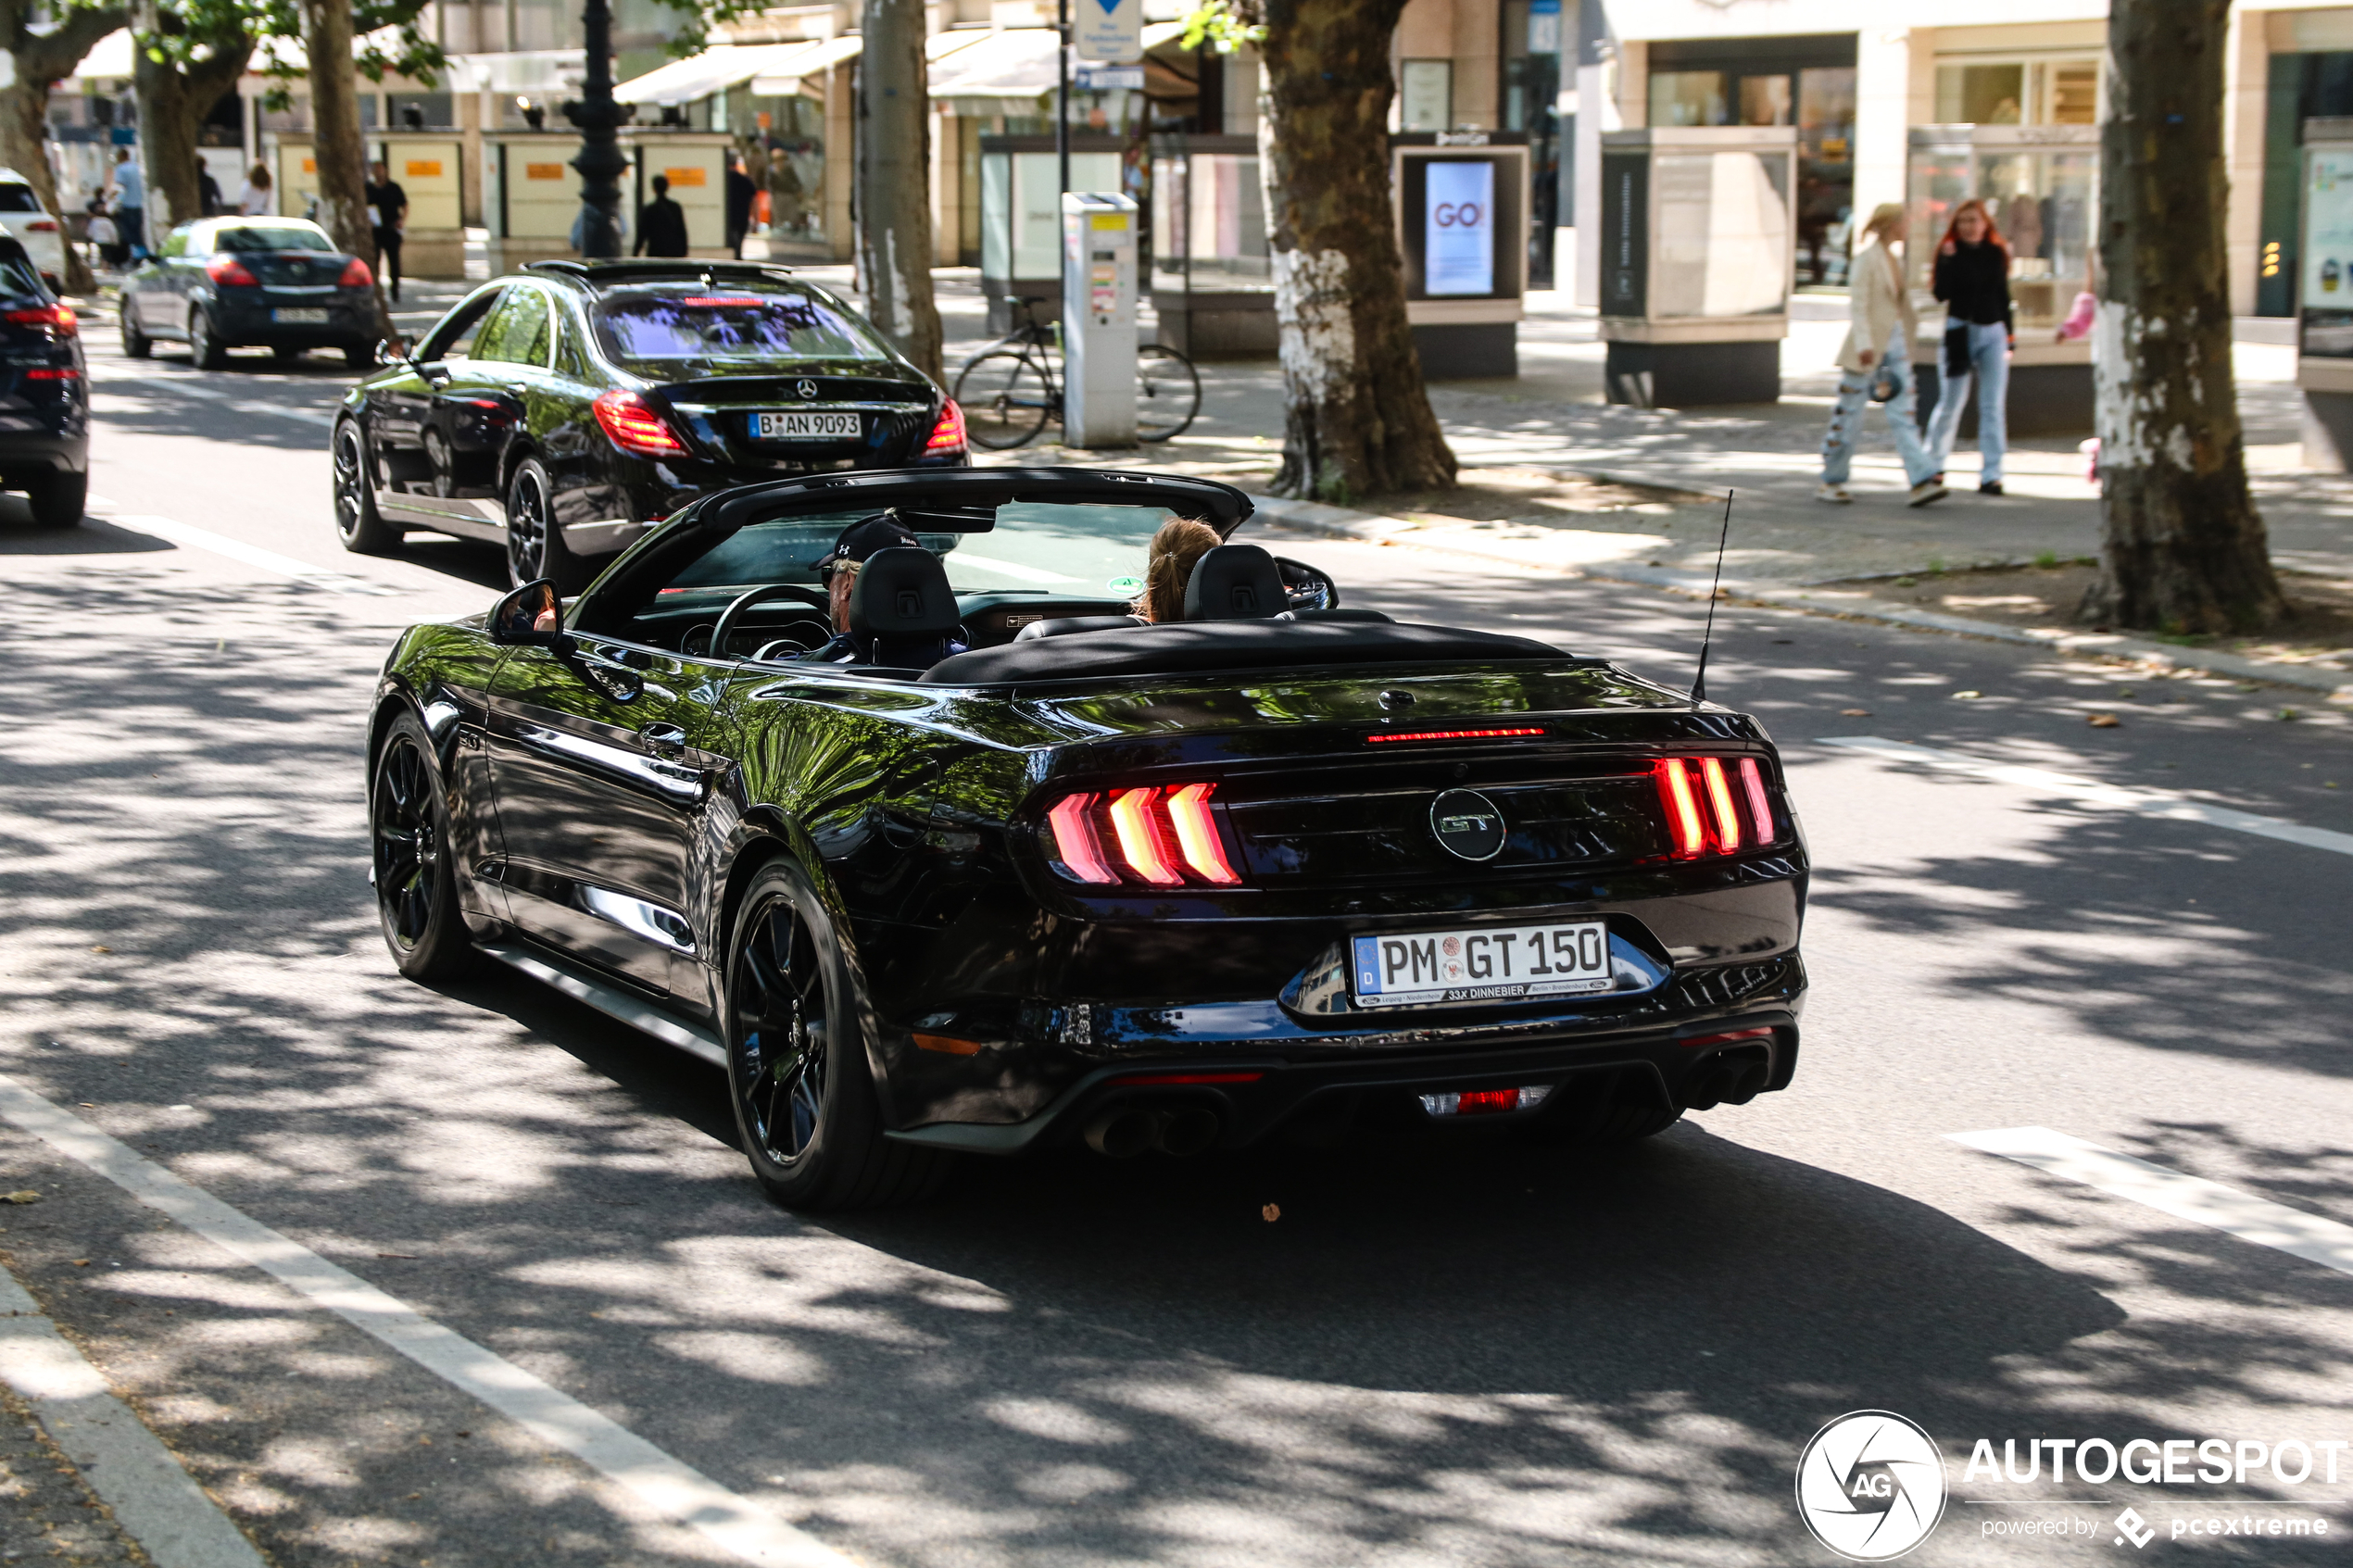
(902, 592)
(1063, 626)
(1236, 582)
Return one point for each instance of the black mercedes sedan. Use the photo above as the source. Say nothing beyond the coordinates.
(277, 284)
(1014, 870)
(565, 410)
(44, 395)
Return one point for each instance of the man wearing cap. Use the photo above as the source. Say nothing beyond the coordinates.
(838, 567)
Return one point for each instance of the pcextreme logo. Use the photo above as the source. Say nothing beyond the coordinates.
(1870, 1485)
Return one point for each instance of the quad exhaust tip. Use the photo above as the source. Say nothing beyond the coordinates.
(1129, 1131)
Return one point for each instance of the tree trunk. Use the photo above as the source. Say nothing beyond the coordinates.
(44, 59)
(337, 145)
(1357, 418)
(894, 181)
(173, 101)
(2181, 547)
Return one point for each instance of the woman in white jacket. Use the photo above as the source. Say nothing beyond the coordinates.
(1878, 344)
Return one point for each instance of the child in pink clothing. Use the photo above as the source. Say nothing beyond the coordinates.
(2078, 322)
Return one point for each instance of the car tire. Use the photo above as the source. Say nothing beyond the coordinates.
(58, 499)
(358, 356)
(206, 350)
(807, 1113)
(536, 545)
(414, 869)
(136, 345)
(359, 526)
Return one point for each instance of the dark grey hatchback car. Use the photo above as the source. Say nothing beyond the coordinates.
(278, 284)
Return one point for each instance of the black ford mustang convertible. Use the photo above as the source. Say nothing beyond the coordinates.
(1021, 870)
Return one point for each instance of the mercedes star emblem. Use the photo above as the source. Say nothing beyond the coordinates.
(806, 389)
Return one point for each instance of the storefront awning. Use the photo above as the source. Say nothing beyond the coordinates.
(1017, 63)
(713, 70)
(788, 78)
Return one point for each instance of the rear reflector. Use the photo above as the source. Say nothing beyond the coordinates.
(54, 372)
(1730, 1038)
(1164, 1080)
(947, 1045)
(1485, 1102)
(1163, 835)
(1386, 739)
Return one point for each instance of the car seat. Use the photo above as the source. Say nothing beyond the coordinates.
(902, 612)
(1069, 625)
(1236, 582)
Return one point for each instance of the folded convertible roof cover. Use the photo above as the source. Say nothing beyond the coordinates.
(1186, 646)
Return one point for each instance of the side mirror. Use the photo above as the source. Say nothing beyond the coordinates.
(530, 617)
(1309, 587)
(389, 353)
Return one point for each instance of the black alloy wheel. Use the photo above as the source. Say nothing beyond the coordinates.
(136, 345)
(358, 525)
(805, 1104)
(205, 351)
(415, 869)
(534, 542)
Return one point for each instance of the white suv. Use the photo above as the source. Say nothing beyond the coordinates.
(23, 220)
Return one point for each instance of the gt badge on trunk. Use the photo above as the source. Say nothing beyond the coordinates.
(1467, 824)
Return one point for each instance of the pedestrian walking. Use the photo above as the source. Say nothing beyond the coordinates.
(129, 205)
(388, 206)
(207, 192)
(740, 194)
(662, 223)
(1875, 362)
(1972, 277)
(255, 200)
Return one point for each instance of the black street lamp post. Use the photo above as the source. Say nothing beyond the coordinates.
(600, 163)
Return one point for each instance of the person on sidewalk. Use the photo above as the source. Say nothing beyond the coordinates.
(129, 205)
(1878, 350)
(741, 193)
(388, 209)
(662, 223)
(255, 200)
(1972, 277)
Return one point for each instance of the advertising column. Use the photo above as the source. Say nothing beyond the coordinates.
(1462, 205)
(2324, 297)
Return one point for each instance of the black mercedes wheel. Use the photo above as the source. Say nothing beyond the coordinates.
(136, 345)
(357, 523)
(206, 350)
(804, 1095)
(535, 543)
(414, 869)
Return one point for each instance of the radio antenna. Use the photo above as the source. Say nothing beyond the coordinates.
(1699, 680)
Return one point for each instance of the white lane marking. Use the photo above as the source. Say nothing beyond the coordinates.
(155, 1500)
(1010, 568)
(2091, 792)
(677, 1490)
(195, 538)
(2249, 1218)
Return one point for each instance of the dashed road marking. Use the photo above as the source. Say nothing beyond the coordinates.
(2249, 1218)
(2166, 804)
(153, 1499)
(194, 538)
(676, 1490)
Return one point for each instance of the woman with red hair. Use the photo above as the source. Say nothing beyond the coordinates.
(1972, 277)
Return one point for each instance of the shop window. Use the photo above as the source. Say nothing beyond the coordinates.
(1687, 97)
(1764, 100)
(1981, 94)
(1426, 96)
(2072, 97)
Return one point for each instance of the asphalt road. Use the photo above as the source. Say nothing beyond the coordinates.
(1476, 1356)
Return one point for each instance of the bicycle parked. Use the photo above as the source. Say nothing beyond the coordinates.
(1009, 390)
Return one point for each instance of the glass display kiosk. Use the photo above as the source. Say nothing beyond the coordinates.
(1461, 200)
(2324, 297)
(1698, 256)
(1211, 282)
(2041, 183)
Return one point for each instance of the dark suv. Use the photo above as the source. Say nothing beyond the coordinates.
(44, 395)
(565, 410)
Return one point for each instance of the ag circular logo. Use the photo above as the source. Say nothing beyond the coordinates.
(1467, 824)
(1870, 1485)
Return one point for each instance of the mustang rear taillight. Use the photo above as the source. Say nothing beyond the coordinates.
(947, 431)
(636, 428)
(1714, 805)
(1161, 835)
